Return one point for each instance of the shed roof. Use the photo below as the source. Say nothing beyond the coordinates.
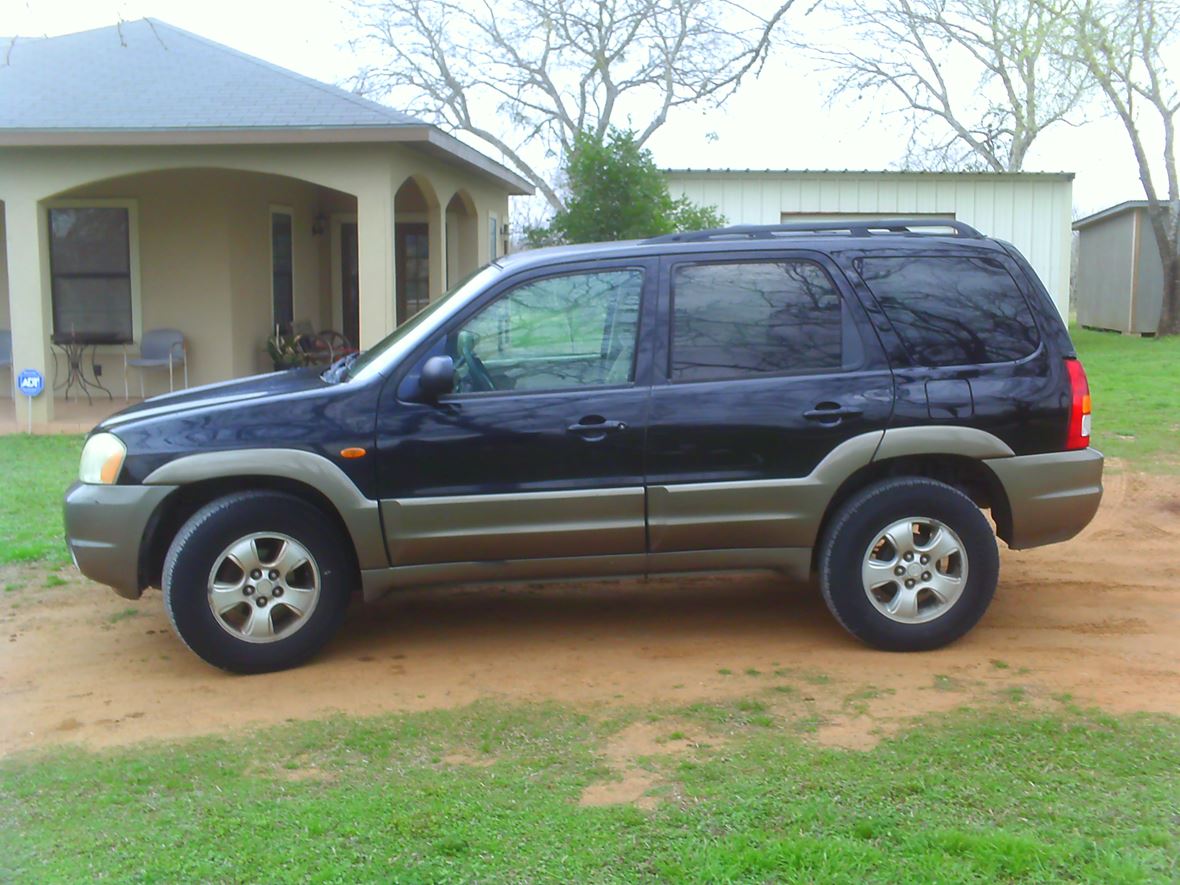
(1110, 212)
(149, 82)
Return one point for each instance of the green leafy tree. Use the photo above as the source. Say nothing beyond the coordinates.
(616, 192)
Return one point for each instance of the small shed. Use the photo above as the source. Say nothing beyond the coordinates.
(1120, 277)
(1031, 210)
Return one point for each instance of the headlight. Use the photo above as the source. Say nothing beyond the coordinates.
(102, 458)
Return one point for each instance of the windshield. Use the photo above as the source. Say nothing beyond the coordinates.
(405, 332)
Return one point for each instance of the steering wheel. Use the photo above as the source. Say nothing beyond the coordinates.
(476, 372)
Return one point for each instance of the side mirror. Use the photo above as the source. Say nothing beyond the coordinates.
(437, 378)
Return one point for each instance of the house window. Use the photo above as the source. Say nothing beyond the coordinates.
(493, 238)
(90, 269)
(282, 286)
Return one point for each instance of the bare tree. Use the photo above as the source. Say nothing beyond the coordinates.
(523, 74)
(979, 79)
(1124, 44)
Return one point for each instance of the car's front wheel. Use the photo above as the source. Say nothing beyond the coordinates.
(257, 581)
(908, 564)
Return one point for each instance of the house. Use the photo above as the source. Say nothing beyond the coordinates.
(1031, 210)
(1120, 281)
(150, 178)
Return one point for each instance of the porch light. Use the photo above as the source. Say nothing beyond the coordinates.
(319, 224)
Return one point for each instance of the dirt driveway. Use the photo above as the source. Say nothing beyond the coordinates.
(1097, 618)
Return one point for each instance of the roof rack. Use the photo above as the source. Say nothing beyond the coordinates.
(859, 228)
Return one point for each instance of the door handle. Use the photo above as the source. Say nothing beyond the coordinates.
(831, 413)
(592, 425)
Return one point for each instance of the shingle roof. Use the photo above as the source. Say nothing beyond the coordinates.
(148, 75)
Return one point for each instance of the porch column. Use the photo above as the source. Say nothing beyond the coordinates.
(375, 259)
(29, 307)
(436, 216)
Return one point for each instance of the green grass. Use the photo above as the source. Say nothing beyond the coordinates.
(34, 474)
(970, 797)
(1133, 382)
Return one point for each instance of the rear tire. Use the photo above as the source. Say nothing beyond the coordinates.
(257, 581)
(908, 564)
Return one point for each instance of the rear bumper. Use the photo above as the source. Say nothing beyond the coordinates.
(104, 530)
(1051, 497)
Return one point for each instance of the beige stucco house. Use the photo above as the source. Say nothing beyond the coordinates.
(150, 178)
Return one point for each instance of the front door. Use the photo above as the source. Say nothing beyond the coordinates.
(771, 367)
(412, 254)
(539, 451)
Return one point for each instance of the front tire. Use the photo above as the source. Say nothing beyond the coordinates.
(908, 564)
(257, 581)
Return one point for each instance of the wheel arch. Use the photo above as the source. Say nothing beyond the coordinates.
(967, 474)
(205, 476)
(175, 510)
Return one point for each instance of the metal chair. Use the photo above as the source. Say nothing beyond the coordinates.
(6, 358)
(159, 349)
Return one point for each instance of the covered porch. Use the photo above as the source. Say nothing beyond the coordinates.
(226, 245)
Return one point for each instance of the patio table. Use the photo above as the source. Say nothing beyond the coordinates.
(73, 348)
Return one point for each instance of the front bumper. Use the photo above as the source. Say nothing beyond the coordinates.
(1051, 497)
(105, 531)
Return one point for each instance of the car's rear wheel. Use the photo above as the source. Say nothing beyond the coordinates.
(257, 581)
(908, 564)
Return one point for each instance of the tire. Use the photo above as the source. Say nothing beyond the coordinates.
(866, 543)
(266, 625)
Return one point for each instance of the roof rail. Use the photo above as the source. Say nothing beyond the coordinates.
(859, 228)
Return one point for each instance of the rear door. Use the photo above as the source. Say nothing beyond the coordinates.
(539, 451)
(767, 367)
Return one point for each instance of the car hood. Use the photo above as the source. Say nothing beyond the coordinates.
(257, 386)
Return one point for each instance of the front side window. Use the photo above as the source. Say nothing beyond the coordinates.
(90, 267)
(952, 310)
(748, 318)
(573, 330)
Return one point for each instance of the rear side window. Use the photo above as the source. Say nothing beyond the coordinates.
(952, 310)
(749, 318)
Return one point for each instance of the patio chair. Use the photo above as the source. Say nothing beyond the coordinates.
(159, 349)
(6, 358)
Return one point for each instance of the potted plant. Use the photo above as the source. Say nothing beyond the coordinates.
(285, 351)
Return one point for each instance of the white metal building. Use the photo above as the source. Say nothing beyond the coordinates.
(1031, 210)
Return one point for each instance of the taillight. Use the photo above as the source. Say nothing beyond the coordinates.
(1078, 436)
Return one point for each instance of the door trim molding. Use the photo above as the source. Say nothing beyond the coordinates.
(454, 529)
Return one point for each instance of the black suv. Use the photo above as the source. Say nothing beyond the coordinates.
(838, 400)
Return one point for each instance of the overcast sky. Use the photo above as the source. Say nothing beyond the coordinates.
(779, 121)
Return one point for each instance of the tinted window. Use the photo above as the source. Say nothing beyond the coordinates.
(749, 318)
(952, 311)
(573, 330)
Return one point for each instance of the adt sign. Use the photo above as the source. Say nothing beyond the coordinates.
(30, 382)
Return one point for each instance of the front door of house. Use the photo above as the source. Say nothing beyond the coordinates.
(412, 254)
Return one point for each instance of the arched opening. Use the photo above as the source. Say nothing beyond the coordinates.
(415, 208)
(227, 258)
(462, 237)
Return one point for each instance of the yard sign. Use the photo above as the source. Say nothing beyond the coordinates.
(31, 383)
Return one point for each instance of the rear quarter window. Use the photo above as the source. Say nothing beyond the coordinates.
(952, 310)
